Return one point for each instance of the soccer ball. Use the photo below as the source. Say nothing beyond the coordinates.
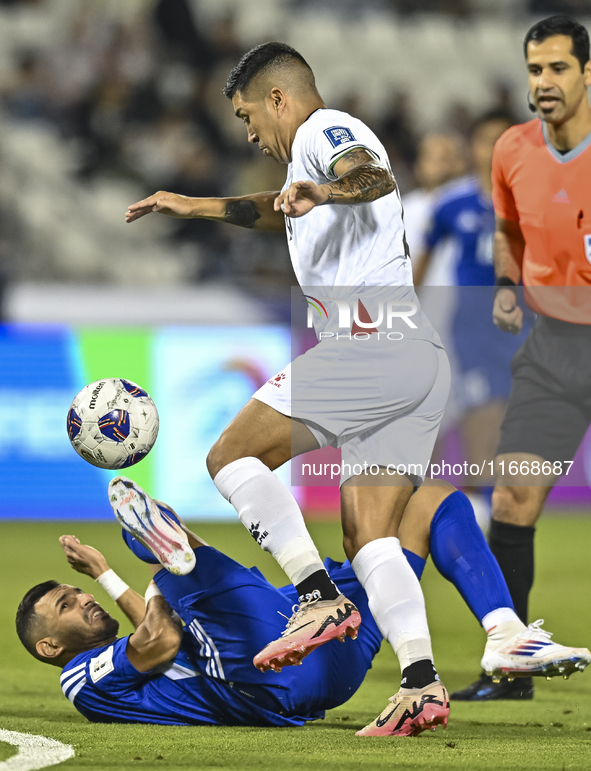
(112, 423)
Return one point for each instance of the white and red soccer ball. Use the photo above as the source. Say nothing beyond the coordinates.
(112, 423)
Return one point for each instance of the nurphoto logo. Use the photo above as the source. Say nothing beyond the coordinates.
(354, 318)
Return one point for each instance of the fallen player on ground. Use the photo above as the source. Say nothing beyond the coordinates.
(202, 673)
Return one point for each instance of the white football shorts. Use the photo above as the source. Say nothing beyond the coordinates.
(381, 401)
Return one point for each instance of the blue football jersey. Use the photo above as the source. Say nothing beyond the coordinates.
(104, 687)
(230, 613)
(466, 215)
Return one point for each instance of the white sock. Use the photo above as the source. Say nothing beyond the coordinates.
(271, 515)
(395, 599)
(500, 616)
(501, 633)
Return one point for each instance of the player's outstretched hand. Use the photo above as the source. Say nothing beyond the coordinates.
(300, 198)
(507, 314)
(84, 559)
(179, 206)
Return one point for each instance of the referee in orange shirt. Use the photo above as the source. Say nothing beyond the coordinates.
(542, 199)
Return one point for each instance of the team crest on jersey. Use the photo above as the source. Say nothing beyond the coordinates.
(338, 135)
(588, 246)
(101, 665)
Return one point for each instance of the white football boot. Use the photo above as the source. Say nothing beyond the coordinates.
(153, 526)
(528, 651)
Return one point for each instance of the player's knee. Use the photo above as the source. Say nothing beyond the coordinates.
(217, 458)
(354, 539)
(515, 505)
(503, 504)
(223, 452)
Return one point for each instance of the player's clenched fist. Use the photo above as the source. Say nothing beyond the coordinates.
(507, 314)
(300, 198)
(179, 206)
(84, 559)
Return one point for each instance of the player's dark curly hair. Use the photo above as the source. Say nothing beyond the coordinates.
(26, 615)
(255, 61)
(561, 25)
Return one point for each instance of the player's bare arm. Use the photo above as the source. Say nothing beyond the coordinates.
(360, 179)
(90, 562)
(157, 639)
(508, 249)
(252, 211)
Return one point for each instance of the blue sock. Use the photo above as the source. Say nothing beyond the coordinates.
(417, 563)
(461, 554)
(140, 551)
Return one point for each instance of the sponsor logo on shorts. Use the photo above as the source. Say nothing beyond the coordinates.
(276, 381)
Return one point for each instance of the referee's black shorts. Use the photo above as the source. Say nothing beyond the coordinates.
(549, 408)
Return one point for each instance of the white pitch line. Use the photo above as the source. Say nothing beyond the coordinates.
(33, 751)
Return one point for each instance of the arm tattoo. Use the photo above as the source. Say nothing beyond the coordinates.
(242, 213)
(362, 184)
(358, 156)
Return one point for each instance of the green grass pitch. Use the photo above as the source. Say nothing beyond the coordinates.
(551, 732)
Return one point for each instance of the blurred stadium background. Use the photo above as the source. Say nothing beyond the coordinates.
(103, 103)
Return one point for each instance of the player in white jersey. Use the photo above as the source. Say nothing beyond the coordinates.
(380, 393)
(327, 142)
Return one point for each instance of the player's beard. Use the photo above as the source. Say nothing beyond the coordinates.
(91, 637)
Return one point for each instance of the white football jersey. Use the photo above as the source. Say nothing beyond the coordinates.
(338, 244)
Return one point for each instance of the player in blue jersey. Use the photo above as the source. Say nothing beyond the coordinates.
(198, 674)
(464, 214)
(203, 673)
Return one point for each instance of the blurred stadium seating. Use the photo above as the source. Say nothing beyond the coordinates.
(103, 103)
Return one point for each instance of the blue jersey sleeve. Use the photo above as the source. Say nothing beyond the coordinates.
(111, 671)
(105, 669)
(439, 227)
